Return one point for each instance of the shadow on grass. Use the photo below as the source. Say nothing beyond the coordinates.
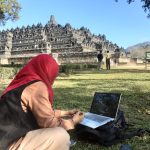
(114, 71)
(134, 103)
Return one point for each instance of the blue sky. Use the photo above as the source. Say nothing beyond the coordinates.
(123, 24)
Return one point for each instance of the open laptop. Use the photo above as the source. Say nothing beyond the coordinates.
(103, 109)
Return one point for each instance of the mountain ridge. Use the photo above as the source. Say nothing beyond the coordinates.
(138, 50)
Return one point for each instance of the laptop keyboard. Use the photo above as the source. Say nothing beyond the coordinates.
(97, 118)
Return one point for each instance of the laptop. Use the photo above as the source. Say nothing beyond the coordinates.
(103, 109)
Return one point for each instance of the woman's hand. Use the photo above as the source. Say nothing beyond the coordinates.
(68, 124)
(68, 112)
(72, 112)
(75, 118)
(78, 117)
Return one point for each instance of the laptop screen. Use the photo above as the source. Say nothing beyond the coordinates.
(105, 104)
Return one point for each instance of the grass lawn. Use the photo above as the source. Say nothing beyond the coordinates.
(77, 90)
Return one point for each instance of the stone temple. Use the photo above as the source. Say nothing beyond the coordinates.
(65, 43)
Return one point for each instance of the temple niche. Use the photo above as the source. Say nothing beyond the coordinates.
(68, 44)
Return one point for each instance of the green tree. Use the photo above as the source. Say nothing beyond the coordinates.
(9, 10)
(146, 5)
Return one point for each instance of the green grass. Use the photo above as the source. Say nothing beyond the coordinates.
(77, 90)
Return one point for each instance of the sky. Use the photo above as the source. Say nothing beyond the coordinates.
(123, 24)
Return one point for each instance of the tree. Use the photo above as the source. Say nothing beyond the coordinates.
(146, 5)
(9, 10)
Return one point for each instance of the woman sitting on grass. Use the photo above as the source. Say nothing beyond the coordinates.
(27, 119)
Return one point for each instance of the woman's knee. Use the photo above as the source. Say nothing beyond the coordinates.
(53, 138)
(61, 139)
(61, 134)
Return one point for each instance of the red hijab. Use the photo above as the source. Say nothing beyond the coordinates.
(42, 67)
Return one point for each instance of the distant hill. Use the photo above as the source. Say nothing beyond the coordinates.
(139, 50)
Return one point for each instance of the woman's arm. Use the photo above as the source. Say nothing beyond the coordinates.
(36, 99)
(64, 113)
